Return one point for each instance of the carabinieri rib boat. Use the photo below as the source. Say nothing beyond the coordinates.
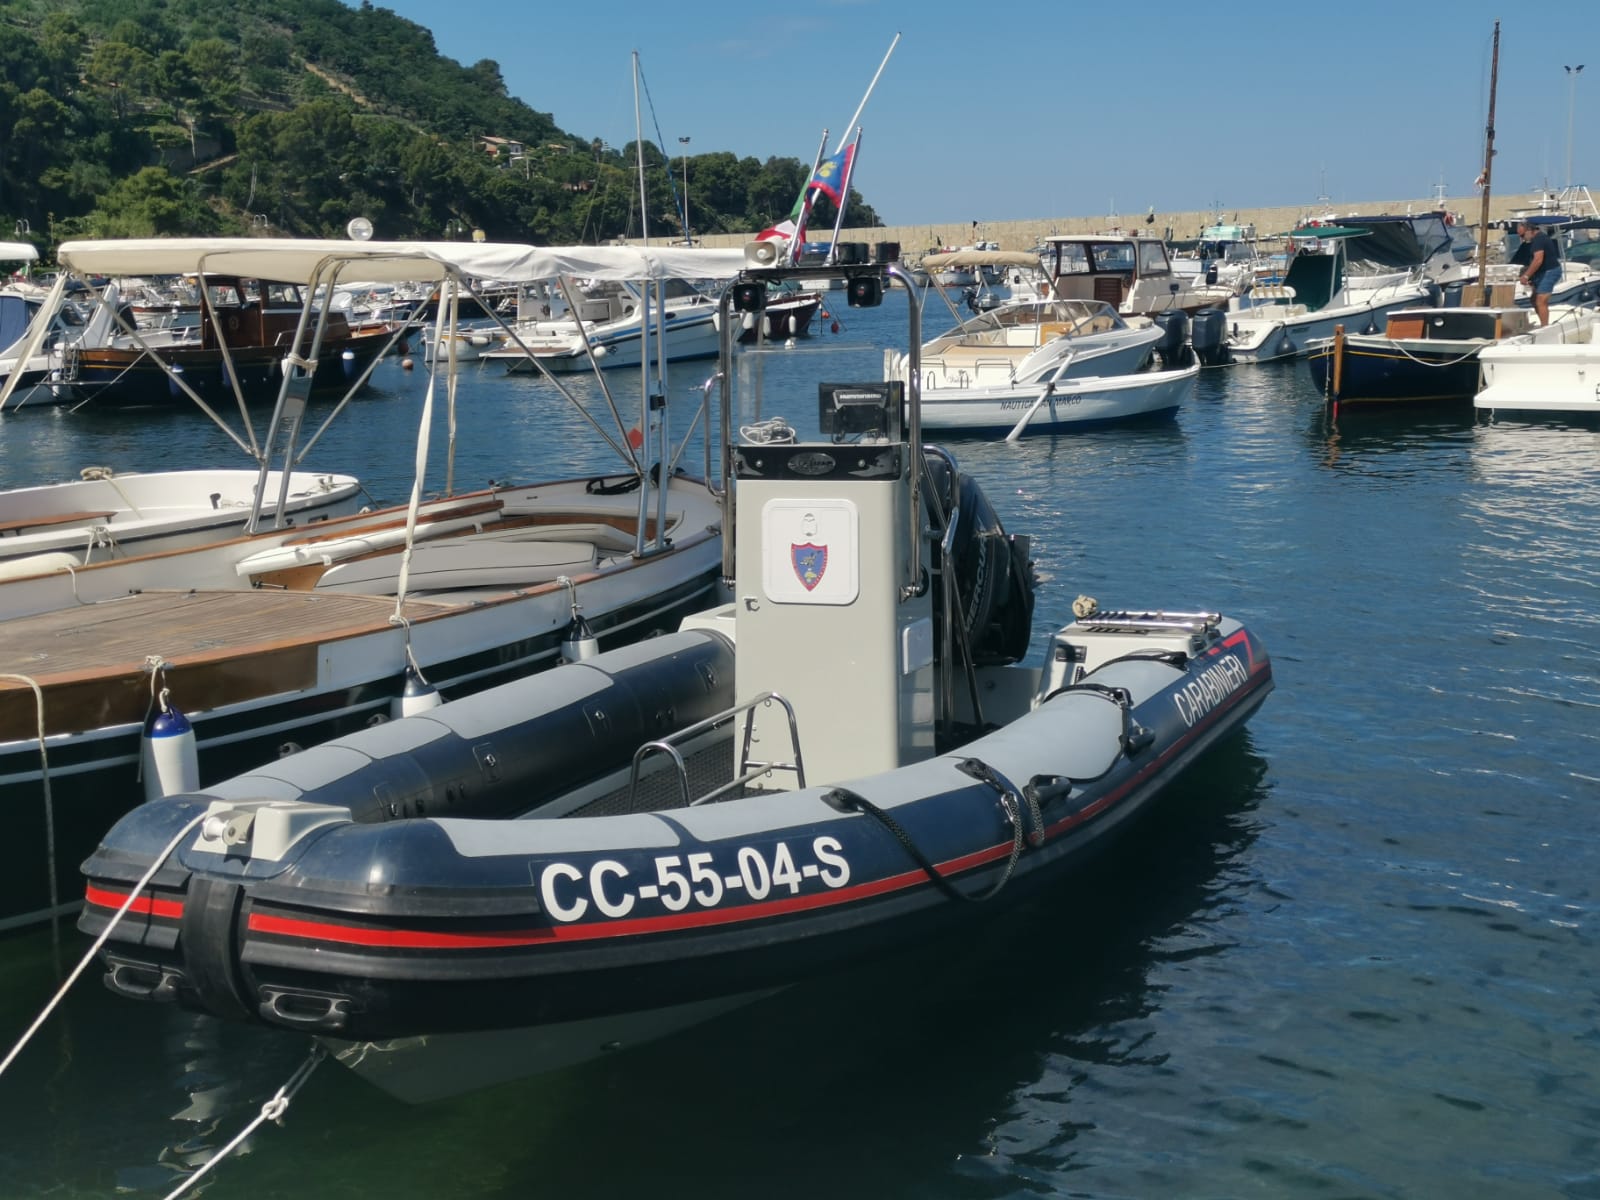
(845, 756)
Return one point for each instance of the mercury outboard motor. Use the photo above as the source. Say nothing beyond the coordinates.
(1174, 344)
(1210, 337)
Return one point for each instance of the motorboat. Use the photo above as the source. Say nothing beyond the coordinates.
(1423, 354)
(847, 757)
(1549, 377)
(107, 514)
(788, 314)
(291, 634)
(248, 327)
(568, 326)
(1026, 340)
(1132, 272)
(1042, 366)
(1060, 403)
(1353, 273)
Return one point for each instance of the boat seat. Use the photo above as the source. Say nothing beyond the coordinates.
(462, 563)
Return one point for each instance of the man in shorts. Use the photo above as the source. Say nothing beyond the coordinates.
(1543, 269)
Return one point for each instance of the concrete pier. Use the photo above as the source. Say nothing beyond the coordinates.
(916, 240)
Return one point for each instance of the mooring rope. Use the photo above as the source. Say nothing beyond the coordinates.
(100, 941)
(272, 1110)
(49, 813)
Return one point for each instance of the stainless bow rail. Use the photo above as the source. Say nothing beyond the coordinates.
(1124, 620)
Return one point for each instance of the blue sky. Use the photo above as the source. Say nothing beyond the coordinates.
(1028, 109)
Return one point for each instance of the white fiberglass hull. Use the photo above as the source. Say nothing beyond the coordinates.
(113, 516)
(1540, 379)
(1263, 337)
(1072, 404)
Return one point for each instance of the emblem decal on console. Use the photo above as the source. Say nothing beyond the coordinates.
(810, 563)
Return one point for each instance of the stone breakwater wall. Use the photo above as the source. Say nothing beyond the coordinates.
(916, 240)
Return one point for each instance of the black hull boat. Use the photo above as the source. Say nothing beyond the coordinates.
(846, 757)
(1424, 355)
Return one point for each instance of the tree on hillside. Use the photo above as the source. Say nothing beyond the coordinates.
(152, 203)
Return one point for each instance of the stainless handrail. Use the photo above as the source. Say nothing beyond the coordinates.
(745, 772)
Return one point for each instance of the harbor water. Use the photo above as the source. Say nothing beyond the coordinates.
(1351, 954)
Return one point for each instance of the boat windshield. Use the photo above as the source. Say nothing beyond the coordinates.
(1052, 318)
(1099, 258)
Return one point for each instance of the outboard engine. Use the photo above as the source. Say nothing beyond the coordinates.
(1174, 344)
(1209, 337)
(993, 573)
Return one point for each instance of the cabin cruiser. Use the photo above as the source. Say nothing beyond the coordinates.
(1129, 271)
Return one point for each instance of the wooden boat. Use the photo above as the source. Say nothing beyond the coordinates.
(247, 328)
(1423, 355)
(840, 761)
(292, 635)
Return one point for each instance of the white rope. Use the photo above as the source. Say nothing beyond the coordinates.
(272, 1110)
(100, 941)
(49, 811)
(772, 430)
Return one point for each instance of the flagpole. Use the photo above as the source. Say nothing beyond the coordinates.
(844, 197)
(851, 123)
(805, 202)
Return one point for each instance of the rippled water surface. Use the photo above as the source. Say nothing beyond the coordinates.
(1352, 954)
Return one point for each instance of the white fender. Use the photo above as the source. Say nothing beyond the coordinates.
(168, 757)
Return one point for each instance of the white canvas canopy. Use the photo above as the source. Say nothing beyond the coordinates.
(979, 258)
(18, 252)
(307, 260)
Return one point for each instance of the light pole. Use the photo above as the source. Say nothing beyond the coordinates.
(1572, 96)
(684, 142)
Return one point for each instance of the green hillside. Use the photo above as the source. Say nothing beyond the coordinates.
(140, 118)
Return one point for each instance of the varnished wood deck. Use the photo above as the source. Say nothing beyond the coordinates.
(222, 647)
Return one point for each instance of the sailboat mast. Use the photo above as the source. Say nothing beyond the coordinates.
(1488, 172)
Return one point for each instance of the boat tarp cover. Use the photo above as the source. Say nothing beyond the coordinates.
(308, 260)
(1399, 243)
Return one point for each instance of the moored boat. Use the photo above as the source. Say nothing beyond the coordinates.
(1528, 379)
(108, 514)
(845, 757)
(291, 635)
(1423, 355)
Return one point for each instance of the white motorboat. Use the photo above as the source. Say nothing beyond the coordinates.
(1060, 404)
(1556, 374)
(293, 635)
(597, 323)
(1027, 341)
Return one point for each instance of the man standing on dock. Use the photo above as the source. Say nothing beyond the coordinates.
(1543, 269)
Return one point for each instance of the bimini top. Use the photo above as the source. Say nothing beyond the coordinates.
(978, 258)
(311, 260)
(18, 252)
